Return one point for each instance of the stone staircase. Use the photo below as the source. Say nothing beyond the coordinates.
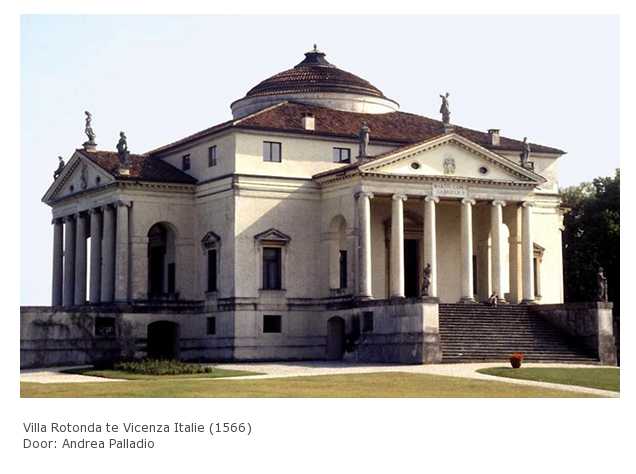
(475, 333)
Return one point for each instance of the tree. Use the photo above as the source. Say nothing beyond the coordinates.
(591, 238)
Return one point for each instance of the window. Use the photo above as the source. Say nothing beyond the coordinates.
(271, 268)
(367, 321)
(212, 271)
(211, 329)
(104, 327)
(272, 323)
(343, 269)
(212, 156)
(342, 155)
(185, 162)
(272, 151)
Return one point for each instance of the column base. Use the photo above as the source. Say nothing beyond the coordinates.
(528, 302)
(467, 300)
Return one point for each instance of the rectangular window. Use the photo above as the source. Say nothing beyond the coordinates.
(343, 269)
(185, 162)
(104, 327)
(272, 151)
(212, 270)
(212, 156)
(272, 323)
(367, 321)
(342, 155)
(271, 268)
(211, 330)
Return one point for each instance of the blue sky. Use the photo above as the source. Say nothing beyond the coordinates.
(554, 79)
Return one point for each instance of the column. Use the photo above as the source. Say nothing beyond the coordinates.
(527, 253)
(496, 221)
(364, 229)
(467, 251)
(58, 263)
(122, 252)
(513, 219)
(69, 261)
(80, 259)
(96, 256)
(107, 293)
(397, 246)
(430, 241)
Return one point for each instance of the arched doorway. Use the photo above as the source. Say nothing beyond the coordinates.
(335, 338)
(163, 340)
(161, 261)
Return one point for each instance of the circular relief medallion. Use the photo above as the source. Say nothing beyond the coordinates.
(415, 165)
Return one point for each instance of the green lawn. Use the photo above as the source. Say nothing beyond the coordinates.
(387, 384)
(120, 374)
(605, 378)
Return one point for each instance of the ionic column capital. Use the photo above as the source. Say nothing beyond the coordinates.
(498, 202)
(122, 203)
(94, 210)
(399, 197)
(431, 198)
(57, 220)
(366, 194)
(467, 201)
(527, 204)
(69, 218)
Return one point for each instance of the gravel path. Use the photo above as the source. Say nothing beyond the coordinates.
(300, 369)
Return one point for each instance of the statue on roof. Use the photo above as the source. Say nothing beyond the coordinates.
(525, 152)
(60, 167)
(122, 150)
(364, 139)
(445, 109)
(88, 130)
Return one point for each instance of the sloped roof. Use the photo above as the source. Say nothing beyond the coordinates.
(142, 167)
(401, 128)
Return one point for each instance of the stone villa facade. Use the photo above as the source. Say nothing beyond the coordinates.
(302, 228)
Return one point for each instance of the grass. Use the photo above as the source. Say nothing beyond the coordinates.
(386, 384)
(603, 378)
(120, 374)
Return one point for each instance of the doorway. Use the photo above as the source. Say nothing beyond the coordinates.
(335, 338)
(411, 273)
(163, 340)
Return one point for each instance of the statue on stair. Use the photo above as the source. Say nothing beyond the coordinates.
(426, 280)
(601, 284)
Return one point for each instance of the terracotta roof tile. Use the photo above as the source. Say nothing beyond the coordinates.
(142, 167)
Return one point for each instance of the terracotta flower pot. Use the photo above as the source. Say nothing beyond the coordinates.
(516, 359)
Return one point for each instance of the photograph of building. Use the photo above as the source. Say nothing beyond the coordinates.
(319, 222)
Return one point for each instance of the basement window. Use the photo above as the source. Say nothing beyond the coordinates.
(272, 323)
(211, 326)
(104, 327)
(367, 321)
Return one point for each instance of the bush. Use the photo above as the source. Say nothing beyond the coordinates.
(161, 367)
(516, 359)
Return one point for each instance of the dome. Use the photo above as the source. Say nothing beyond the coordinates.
(316, 81)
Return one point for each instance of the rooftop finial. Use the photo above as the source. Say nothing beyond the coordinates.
(315, 48)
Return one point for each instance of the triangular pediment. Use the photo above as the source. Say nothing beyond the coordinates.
(272, 235)
(79, 175)
(451, 156)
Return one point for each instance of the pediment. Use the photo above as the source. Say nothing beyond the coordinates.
(273, 236)
(450, 156)
(79, 175)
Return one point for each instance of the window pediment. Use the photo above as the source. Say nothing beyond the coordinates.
(210, 240)
(272, 236)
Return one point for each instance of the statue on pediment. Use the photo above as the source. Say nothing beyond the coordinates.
(525, 152)
(445, 109)
(60, 167)
(122, 150)
(364, 140)
(88, 130)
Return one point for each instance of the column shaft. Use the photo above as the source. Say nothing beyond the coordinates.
(364, 215)
(79, 296)
(496, 221)
(57, 283)
(96, 256)
(122, 253)
(430, 241)
(108, 255)
(397, 246)
(467, 250)
(69, 261)
(527, 253)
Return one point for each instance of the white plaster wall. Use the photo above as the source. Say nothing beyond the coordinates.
(546, 225)
(298, 216)
(301, 157)
(225, 150)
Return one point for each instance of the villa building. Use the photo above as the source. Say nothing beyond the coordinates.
(319, 222)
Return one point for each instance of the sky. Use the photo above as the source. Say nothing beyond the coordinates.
(554, 79)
